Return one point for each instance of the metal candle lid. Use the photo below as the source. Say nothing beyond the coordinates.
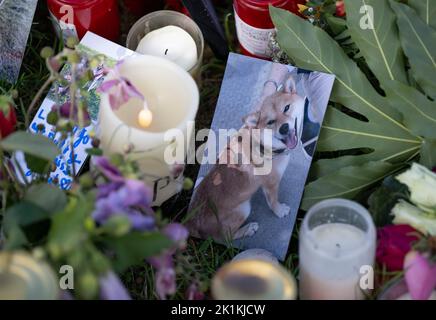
(22, 277)
(253, 280)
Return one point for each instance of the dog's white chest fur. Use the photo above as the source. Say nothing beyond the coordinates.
(280, 163)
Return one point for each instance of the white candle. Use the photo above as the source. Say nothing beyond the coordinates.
(337, 239)
(172, 43)
(172, 98)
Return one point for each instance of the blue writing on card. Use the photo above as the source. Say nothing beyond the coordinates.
(73, 149)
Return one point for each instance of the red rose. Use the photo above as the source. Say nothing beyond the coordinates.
(393, 243)
(340, 8)
(8, 118)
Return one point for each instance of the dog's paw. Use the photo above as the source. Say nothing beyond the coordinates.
(282, 210)
(251, 229)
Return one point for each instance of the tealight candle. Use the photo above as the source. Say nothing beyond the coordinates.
(172, 43)
(170, 35)
(337, 239)
(253, 280)
(172, 100)
(23, 277)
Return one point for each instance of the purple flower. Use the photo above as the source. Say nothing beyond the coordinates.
(119, 89)
(194, 293)
(164, 264)
(65, 112)
(111, 288)
(122, 196)
(108, 169)
(177, 233)
(125, 198)
(165, 282)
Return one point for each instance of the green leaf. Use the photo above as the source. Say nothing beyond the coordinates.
(17, 218)
(132, 248)
(37, 165)
(68, 226)
(346, 183)
(46, 196)
(419, 44)
(383, 134)
(418, 112)
(428, 153)
(312, 48)
(379, 45)
(32, 144)
(94, 151)
(426, 10)
(385, 198)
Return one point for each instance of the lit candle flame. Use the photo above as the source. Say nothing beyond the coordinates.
(145, 117)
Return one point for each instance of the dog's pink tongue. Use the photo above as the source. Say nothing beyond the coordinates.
(291, 140)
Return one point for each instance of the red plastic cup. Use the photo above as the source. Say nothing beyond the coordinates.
(76, 17)
(254, 24)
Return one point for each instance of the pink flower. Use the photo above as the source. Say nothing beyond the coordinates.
(420, 275)
(119, 89)
(194, 293)
(394, 242)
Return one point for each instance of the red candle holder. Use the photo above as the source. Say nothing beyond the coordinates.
(254, 24)
(141, 7)
(76, 17)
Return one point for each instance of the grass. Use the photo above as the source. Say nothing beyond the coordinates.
(199, 262)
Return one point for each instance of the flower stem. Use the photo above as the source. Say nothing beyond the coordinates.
(36, 99)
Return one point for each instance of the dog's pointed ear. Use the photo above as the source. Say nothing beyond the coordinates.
(290, 86)
(251, 120)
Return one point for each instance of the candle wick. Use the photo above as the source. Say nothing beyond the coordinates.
(166, 51)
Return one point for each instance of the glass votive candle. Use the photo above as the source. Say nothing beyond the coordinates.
(76, 17)
(254, 24)
(164, 18)
(252, 279)
(337, 244)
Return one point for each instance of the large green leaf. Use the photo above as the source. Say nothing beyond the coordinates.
(426, 10)
(32, 144)
(379, 45)
(419, 44)
(387, 138)
(419, 113)
(312, 48)
(347, 182)
(428, 153)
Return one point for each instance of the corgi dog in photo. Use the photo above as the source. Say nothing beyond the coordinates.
(221, 203)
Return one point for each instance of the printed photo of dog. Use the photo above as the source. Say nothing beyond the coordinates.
(232, 201)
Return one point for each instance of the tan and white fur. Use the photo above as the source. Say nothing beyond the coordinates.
(221, 203)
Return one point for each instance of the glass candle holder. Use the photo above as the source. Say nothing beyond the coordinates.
(337, 244)
(253, 279)
(159, 19)
(23, 277)
(254, 24)
(76, 17)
